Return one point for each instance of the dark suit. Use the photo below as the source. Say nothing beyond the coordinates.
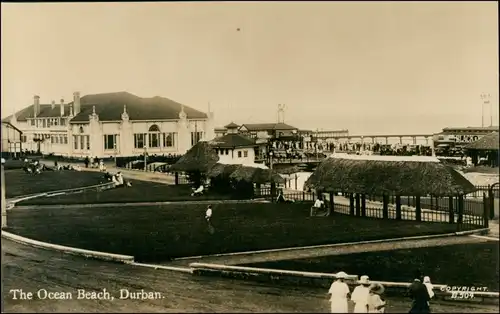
(418, 293)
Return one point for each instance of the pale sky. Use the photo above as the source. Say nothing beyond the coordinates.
(371, 67)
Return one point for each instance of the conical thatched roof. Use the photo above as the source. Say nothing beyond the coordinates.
(222, 170)
(201, 157)
(376, 175)
(487, 142)
(289, 170)
(256, 175)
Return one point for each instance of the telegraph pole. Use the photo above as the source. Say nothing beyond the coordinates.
(486, 100)
(4, 203)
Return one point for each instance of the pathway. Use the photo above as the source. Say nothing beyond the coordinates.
(32, 269)
(324, 250)
(157, 177)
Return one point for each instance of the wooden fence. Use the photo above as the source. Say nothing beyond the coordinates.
(466, 213)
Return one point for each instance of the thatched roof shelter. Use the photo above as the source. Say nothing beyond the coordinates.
(289, 170)
(487, 142)
(222, 170)
(256, 175)
(201, 157)
(391, 175)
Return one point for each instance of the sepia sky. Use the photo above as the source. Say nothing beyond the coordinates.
(372, 68)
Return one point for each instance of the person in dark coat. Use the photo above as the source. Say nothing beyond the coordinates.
(419, 295)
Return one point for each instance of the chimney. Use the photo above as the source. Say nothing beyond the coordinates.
(53, 105)
(76, 103)
(36, 105)
(71, 110)
(62, 107)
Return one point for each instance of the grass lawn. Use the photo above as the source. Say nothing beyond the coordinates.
(141, 191)
(461, 264)
(157, 233)
(18, 183)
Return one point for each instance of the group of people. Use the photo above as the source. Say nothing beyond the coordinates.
(368, 296)
(94, 162)
(117, 179)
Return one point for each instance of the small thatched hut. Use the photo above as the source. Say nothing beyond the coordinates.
(196, 162)
(361, 175)
(256, 175)
(488, 147)
(201, 157)
(222, 170)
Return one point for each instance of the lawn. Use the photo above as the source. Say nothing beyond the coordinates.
(461, 264)
(157, 233)
(18, 183)
(141, 191)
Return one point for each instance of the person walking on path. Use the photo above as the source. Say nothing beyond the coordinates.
(419, 295)
(430, 288)
(208, 217)
(375, 302)
(360, 295)
(339, 292)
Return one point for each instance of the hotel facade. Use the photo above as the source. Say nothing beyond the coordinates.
(111, 124)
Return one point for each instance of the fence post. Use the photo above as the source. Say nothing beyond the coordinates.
(332, 203)
(303, 196)
(460, 209)
(363, 205)
(351, 204)
(358, 205)
(491, 202)
(485, 211)
(296, 181)
(398, 207)
(418, 209)
(451, 212)
(176, 178)
(385, 207)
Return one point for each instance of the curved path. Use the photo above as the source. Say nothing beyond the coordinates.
(31, 269)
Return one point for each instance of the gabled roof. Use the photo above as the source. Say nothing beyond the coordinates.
(232, 125)
(46, 111)
(487, 142)
(12, 126)
(267, 126)
(109, 107)
(232, 140)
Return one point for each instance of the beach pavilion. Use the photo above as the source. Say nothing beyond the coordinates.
(362, 176)
(487, 147)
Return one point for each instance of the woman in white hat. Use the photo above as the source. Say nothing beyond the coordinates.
(360, 295)
(375, 302)
(339, 292)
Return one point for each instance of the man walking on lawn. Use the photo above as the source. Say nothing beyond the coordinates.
(208, 217)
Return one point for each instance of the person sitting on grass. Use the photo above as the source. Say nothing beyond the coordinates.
(198, 191)
(281, 198)
(318, 205)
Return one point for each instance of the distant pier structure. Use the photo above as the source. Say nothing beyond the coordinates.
(343, 136)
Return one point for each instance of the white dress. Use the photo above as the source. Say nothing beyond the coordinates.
(360, 299)
(338, 300)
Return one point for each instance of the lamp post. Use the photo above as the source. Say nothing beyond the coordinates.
(271, 160)
(4, 203)
(145, 157)
(114, 145)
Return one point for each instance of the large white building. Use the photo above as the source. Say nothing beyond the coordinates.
(111, 124)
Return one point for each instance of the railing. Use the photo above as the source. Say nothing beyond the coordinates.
(466, 213)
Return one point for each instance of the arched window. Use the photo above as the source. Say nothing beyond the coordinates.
(154, 128)
(154, 136)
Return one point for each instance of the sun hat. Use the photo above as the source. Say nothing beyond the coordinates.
(377, 288)
(364, 280)
(341, 275)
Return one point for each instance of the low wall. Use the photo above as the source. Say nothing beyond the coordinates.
(324, 280)
(98, 188)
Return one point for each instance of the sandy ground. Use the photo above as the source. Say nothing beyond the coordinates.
(33, 269)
